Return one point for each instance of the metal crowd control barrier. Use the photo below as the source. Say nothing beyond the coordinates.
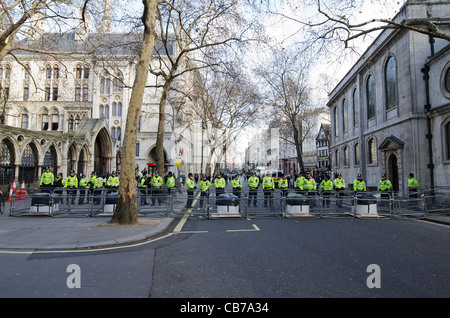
(334, 204)
(408, 204)
(436, 200)
(102, 202)
(262, 205)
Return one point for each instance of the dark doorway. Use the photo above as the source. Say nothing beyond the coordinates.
(393, 171)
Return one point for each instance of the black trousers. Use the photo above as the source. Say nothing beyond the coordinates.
(252, 194)
(190, 198)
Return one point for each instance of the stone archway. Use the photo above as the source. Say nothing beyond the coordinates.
(71, 158)
(102, 152)
(392, 148)
(7, 160)
(51, 159)
(28, 170)
(151, 157)
(82, 162)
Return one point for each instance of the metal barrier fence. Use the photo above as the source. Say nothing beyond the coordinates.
(102, 202)
(95, 202)
(436, 200)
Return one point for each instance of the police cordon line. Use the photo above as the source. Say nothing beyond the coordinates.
(302, 197)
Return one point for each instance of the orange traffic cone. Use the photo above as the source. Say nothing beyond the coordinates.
(12, 190)
(22, 192)
(10, 193)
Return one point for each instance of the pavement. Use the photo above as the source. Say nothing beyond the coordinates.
(71, 233)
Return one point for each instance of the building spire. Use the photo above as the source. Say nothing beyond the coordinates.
(106, 20)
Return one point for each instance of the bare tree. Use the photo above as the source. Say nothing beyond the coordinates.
(126, 209)
(228, 104)
(288, 95)
(326, 24)
(193, 29)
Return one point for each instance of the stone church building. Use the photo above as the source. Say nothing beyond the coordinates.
(391, 112)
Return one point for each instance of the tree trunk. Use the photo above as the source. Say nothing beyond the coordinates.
(126, 209)
(298, 145)
(161, 129)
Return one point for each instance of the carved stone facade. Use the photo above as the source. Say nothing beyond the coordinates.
(69, 111)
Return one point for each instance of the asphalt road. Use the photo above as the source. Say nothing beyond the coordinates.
(240, 258)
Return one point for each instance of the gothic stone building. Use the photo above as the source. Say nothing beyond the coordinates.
(391, 112)
(69, 111)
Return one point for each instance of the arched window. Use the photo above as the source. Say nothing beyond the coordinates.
(105, 84)
(355, 102)
(106, 111)
(114, 109)
(336, 159)
(447, 80)
(48, 71)
(77, 122)
(357, 155)
(45, 121)
(335, 121)
(27, 71)
(390, 78)
(345, 114)
(7, 72)
(370, 92)
(113, 133)
(372, 151)
(24, 123)
(119, 109)
(71, 122)
(447, 140)
(56, 71)
(119, 133)
(55, 121)
(118, 82)
(346, 156)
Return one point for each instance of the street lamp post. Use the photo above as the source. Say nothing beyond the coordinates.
(201, 165)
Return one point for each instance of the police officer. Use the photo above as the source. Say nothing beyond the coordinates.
(339, 186)
(219, 184)
(72, 185)
(283, 185)
(143, 186)
(190, 187)
(268, 186)
(82, 184)
(113, 182)
(157, 183)
(237, 186)
(413, 186)
(384, 186)
(298, 185)
(326, 186)
(253, 183)
(204, 189)
(47, 179)
(309, 186)
(98, 188)
(58, 187)
(91, 184)
(359, 185)
(170, 182)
